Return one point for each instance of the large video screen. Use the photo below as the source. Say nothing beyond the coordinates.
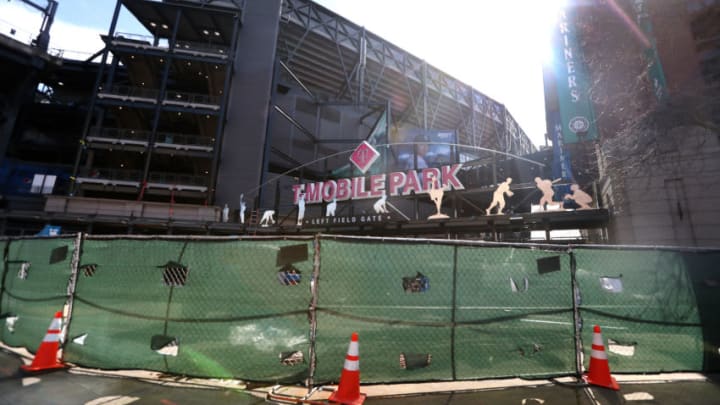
(419, 149)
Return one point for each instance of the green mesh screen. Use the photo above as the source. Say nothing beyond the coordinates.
(361, 289)
(122, 304)
(36, 299)
(645, 303)
(704, 272)
(230, 316)
(515, 315)
(423, 311)
(235, 317)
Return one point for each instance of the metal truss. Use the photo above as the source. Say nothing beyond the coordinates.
(339, 60)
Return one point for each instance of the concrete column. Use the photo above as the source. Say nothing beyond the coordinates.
(243, 147)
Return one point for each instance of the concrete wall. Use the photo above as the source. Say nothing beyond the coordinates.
(674, 199)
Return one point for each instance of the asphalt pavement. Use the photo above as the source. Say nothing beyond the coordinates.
(78, 386)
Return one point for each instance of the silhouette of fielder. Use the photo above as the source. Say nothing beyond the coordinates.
(498, 198)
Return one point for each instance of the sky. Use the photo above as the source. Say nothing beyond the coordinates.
(497, 46)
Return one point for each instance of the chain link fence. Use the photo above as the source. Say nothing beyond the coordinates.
(282, 309)
(211, 308)
(34, 286)
(398, 296)
(514, 312)
(645, 302)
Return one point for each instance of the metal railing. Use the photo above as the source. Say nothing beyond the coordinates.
(187, 47)
(70, 54)
(129, 93)
(137, 41)
(177, 179)
(172, 97)
(183, 141)
(119, 135)
(140, 137)
(100, 175)
(125, 177)
(202, 49)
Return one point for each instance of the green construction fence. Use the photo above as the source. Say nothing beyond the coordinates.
(651, 304)
(486, 312)
(35, 280)
(283, 309)
(229, 317)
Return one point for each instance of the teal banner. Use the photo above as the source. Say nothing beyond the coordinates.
(576, 112)
(655, 70)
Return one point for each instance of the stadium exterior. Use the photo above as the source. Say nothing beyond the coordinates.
(229, 104)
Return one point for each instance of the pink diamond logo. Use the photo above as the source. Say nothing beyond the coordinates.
(364, 156)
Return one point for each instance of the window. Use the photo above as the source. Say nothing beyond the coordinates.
(43, 184)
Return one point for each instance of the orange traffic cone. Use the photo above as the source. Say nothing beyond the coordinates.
(348, 391)
(599, 370)
(47, 353)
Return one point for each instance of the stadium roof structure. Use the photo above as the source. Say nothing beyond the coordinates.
(338, 61)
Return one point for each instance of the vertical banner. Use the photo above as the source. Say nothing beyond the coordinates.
(655, 70)
(561, 158)
(576, 115)
(561, 168)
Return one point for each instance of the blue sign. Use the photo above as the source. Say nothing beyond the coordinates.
(50, 230)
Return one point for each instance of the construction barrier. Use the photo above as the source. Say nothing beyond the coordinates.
(473, 312)
(399, 297)
(205, 308)
(281, 309)
(645, 302)
(514, 312)
(35, 280)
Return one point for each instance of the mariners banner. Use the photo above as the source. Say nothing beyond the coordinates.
(576, 113)
(561, 158)
(655, 70)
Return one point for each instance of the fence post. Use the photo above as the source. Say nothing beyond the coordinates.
(72, 284)
(577, 319)
(312, 312)
(454, 311)
(6, 251)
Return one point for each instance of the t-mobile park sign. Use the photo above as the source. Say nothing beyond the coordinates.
(379, 185)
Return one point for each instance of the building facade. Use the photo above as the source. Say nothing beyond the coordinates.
(654, 87)
(217, 108)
